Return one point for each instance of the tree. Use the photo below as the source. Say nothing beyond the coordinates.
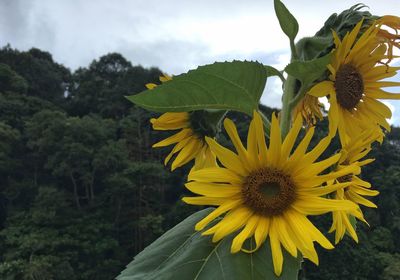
(46, 79)
(102, 86)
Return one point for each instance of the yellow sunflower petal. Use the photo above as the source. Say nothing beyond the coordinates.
(228, 205)
(248, 231)
(274, 149)
(318, 205)
(360, 200)
(261, 232)
(277, 256)
(291, 137)
(184, 133)
(281, 230)
(203, 200)
(262, 147)
(215, 175)
(150, 86)
(188, 152)
(228, 159)
(321, 89)
(252, 148)
(230, 223)
(213, 189)
(234, 136)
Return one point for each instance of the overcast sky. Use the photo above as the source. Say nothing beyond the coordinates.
(173, 35)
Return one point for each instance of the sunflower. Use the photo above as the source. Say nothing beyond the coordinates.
(268, 192)
(189, 145)
(310, 109)
(189, 141)
(355, 83)
(352, 153)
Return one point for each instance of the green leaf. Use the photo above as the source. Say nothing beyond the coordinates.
(236, 85)
(287, 21)
(271, 71)
(182, 253)
(308, 71)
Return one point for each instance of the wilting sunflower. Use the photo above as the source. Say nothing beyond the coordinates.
(268, 192)
(353, 153)
(355, 83)
(189, 141)
(310, 109)
(390, 36)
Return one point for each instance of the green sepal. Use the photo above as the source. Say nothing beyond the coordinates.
(183, 253)
(207, 122)
(287, 21)
(322, 42)
(309, 48)
(345, 21)
(236, 85)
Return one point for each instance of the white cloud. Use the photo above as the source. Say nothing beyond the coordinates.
(393, 109)
(173, 35)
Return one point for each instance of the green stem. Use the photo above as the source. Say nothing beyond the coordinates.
(286, 113)
(299, 96)
(288, 96)
(293, 50)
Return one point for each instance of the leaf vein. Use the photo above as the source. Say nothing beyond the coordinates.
(206, 260)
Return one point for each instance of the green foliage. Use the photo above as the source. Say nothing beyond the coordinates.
(16, 109)
(11, 81)
(322, 42)
(345, 21)
(309, 48)
(308, 71)
(101, 87)
(45, 78)
(183, 251)
(226, 86)
(9, 138)
(46, 242)
(287, 21)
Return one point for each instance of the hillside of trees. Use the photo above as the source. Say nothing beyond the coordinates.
(82, 191)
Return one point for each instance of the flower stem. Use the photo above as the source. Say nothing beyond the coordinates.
(286, 113)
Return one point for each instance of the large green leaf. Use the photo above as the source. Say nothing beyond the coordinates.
(236, 85)
(182, 253)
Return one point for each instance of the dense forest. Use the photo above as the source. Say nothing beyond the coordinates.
(82, 191)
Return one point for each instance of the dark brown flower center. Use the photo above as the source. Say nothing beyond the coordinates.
(349, 86)
(345, 178)
(268, 192)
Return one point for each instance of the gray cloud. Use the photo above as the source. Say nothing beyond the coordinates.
(167, 55)
(14, 15)
(175, 36)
